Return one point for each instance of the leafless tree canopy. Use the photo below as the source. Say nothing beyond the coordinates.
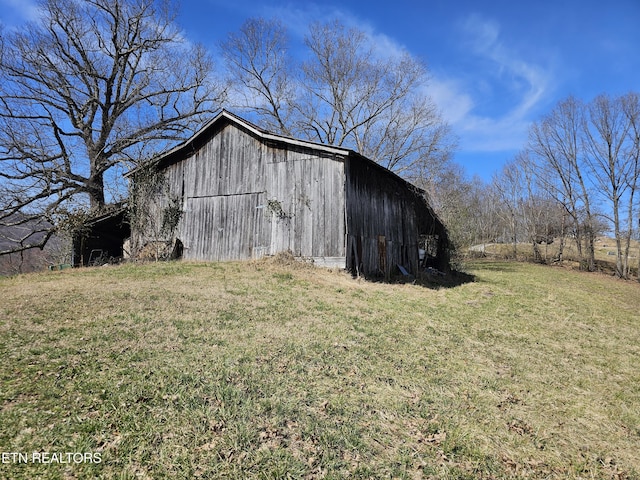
(611, 153)
(342, 93)
(92, 85)
(260, 68)
(587, 154)
(555, 148)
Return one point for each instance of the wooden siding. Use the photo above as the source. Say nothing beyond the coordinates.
(230, 163)
(310, 191)
(385, 218)
(245, 198)
(224, 227)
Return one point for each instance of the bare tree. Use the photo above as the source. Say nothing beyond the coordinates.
(537, 208)
(261, 72)
(631, 108)
(555, 147)
(344, 93)
(462, 204)
(373, 104)
(612, 164)
(509, 186)
(553, 202)
(94, 84)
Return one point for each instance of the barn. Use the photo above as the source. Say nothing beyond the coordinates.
(235, 191)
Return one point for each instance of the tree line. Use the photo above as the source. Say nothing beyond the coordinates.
(576, 178)
(586, 157)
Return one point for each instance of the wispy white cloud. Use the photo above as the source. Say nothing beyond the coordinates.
(385, 46)
(514, 72)
(450, 96)
(478, 132)
(513, 86)
(19, 11)
(297, 20)
(501, 77)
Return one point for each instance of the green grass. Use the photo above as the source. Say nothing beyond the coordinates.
(260, 370)
(604, 252)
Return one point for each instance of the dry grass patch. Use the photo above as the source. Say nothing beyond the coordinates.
(270, 369)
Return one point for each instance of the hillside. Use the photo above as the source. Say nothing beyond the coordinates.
(30, 232)
(269, 370)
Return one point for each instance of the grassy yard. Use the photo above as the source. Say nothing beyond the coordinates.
(267, 370)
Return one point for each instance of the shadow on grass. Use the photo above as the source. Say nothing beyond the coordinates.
(448, 280)
(434, 281)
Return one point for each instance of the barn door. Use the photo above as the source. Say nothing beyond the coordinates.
(224, 227)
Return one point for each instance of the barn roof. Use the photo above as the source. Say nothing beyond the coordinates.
(177, 153)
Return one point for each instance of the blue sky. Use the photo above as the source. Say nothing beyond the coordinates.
(495, 65)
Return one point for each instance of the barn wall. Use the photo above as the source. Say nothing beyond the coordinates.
(222, 187)
(230, 163)
(244, 198)
(305, 202)
(223, 227)
(385, 218)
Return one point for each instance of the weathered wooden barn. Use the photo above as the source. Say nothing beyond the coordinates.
(234, 191)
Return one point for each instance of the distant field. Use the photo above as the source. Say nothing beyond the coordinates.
(270, 370)
(605, 252)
